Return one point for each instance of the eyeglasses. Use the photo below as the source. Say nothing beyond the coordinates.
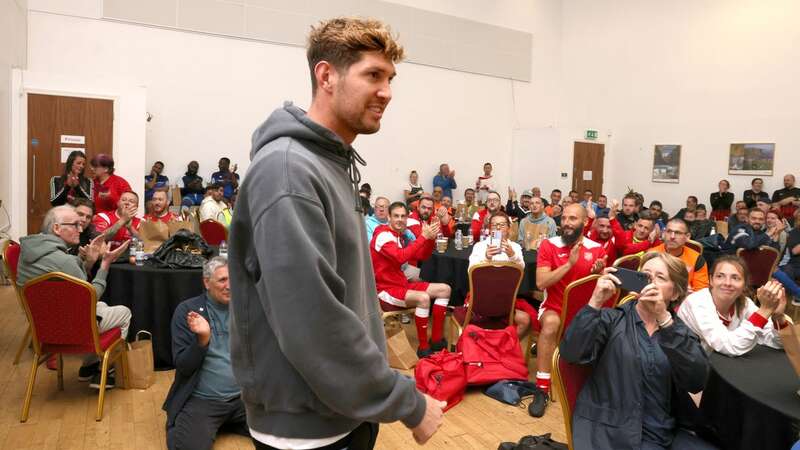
(77, 225)
(675, 232)
(499, 225)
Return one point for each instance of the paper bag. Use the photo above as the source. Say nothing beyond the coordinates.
(176, 196)
(790, 336)
(176, 225)
(533, 233)
(722, 227)
(513, 233)
(153, 234)
(141, 373)
(398, 350)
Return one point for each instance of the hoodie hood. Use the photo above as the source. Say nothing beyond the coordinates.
(291, 121)
(37, 246)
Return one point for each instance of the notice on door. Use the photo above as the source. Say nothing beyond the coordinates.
(65, 151)
(69, 139)
(587, 175)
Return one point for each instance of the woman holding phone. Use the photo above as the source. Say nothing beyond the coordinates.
(725, 318)
(641, 355)
(72, 184)
(500, 248)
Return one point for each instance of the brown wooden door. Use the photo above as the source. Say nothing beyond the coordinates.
(587, 168)
(50, 117)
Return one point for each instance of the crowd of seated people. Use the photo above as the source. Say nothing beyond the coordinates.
(95, 216)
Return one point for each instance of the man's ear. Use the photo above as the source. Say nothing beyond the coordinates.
(325, 75)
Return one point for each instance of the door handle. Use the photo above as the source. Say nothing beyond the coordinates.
(33, 194)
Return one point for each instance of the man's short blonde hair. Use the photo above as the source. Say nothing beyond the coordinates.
(342, 40)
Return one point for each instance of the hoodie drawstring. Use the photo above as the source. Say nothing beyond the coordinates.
(355, 176)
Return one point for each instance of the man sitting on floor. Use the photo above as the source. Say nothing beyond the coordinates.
(204, 396)
(122, 224)
(159, 209)
(46, 252)
(389, 252)
(676, 235)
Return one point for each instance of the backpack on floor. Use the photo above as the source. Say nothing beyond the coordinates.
(492, 355)
(442, 376)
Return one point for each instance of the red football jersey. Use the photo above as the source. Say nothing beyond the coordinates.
(553, 253)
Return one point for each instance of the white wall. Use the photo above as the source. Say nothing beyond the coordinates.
(13, 38)
(208, 93)
(702, 74)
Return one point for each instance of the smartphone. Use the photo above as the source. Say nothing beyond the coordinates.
(632, 281)
(497, 238)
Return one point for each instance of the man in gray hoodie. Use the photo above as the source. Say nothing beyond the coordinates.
(307, 342)
(47, 252)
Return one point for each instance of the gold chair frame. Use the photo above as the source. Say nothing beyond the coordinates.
(26, 339)
(116, 351)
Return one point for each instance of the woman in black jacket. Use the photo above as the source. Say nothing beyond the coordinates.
(721, 201)
(72, 184)
(641, 354)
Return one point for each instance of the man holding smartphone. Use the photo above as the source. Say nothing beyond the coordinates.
(307, 342)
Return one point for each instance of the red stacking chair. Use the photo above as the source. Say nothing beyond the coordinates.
(694, 245)
(761, 263)
(493, 289)
(213, 232)
(568, 380)
(11, 262)
(61, 310)
(576, 296)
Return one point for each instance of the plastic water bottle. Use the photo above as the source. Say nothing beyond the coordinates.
(459, 245)
(139, 252)
(223, 249)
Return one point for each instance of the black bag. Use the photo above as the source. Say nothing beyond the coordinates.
(542, 442)
(511, 392)
(184, 250)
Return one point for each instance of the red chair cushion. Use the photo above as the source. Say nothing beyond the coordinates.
(213, 232)
(573, 377)
(494, 290)
(759, 263)
(106, 339)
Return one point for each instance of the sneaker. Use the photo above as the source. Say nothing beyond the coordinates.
(85, 373)
(439, 345)
(424, 353)
(405, 318)
(539, 403)
(533, 349)
(95, 383)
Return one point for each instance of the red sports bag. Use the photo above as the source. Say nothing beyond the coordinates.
(492, 355)
(442, 376)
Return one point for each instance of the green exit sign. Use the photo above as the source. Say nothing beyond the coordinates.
(591, 134)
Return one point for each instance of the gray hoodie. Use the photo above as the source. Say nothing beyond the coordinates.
(45, 253)
(307, 342)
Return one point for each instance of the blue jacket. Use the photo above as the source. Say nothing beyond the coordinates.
(187, 355)
(447, 184)
(608, 410)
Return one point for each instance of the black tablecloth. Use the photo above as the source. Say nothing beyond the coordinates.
(152, 295)
(750, 401)
(451, 267)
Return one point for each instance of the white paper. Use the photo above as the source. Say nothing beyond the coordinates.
(69, 139)
(65, 151)
(587, 175)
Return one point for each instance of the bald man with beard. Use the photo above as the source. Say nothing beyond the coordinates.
(560, 261)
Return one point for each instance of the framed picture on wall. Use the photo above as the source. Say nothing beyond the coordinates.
(751, 159)
(667, 163)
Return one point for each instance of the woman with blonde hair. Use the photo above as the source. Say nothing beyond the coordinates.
(726, 319)
(642, 355)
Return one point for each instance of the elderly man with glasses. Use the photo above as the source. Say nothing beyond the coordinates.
(47, 252)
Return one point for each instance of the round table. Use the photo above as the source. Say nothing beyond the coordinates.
(750, 401)
(452, 266)
(152, 294)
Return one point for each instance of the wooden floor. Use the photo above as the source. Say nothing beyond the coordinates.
(134, 420)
